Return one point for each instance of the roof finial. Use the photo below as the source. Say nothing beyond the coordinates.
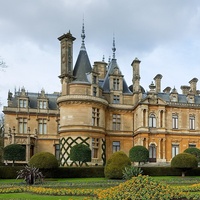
(114, 49)
(83, 37)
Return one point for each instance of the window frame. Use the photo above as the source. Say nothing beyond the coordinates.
(115, 146)
(152, 120)
(174, 121)
(116, 122)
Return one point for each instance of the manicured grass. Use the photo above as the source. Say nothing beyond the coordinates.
(27, 196)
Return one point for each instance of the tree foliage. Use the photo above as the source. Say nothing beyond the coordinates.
(116, 164)
(80, 153)
(43, 160)
(139, 154)
(184, 161)
(194, 151)
(14, 152)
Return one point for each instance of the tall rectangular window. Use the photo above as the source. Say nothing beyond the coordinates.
(94, 80)
(175, 149)
(152, 121)
(22, 103)
(22, 125)
(94, 91)
(57, 151)
(116, 121)
(42, 126)
(95, 116)
(115, 84)
(116, 99)
(192, 122)
(116, 146)
(95, 147)
(175, 121)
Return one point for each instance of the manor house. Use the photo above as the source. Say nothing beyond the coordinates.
(97, 108)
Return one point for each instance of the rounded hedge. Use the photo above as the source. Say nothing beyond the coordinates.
(139, 154)
(80, 153)
(194, 151)
(116, 164)
(14, 152)
(184, 160)
(43, 160)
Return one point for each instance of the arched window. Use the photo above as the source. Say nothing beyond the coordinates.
(152, 121)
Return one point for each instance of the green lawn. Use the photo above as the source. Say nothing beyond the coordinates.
(27, 196)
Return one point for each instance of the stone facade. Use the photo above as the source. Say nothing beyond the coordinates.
(97, 108)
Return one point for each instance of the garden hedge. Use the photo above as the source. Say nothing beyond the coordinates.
(8, 172)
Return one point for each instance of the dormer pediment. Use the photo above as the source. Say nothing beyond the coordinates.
(153, 100)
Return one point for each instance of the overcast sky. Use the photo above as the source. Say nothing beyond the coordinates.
(163, 34)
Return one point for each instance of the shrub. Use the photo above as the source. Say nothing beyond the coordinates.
(139, 154)
(80, 153)
(115, 165)
(140, 187)
(184, 161)
(43, 160)
(194, 151)
(30, 175)
(14, 152)
(131, 171)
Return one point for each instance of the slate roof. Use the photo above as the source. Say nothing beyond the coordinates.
(82, 67)
(111, 67)
(33, 100)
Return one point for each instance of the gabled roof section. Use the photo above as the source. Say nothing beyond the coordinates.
(82, 66)
(112, 68)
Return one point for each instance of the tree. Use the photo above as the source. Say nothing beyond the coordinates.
(14, 152)
(184, 162)
(139, 154)
(116, 164)
(80, 153)
(194, 151)
(43, 160)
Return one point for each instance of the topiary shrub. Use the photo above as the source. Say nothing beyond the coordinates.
(139, 154)
(43, 160)
(80, 153)
(194, 151)
(116, 164)
(184, 162)
(14, 152)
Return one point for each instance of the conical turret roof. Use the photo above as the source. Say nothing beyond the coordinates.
(82, 66)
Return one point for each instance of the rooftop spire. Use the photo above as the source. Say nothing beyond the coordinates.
(83, 37)
(114, 49)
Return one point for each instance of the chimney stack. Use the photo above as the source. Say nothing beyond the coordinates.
(193, 85)
(157, 79)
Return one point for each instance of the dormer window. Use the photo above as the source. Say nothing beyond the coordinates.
(42, 104)
(94, 81)
(115, 84)
(22, 103)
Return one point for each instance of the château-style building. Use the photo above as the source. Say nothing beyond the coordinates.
(97, 108)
